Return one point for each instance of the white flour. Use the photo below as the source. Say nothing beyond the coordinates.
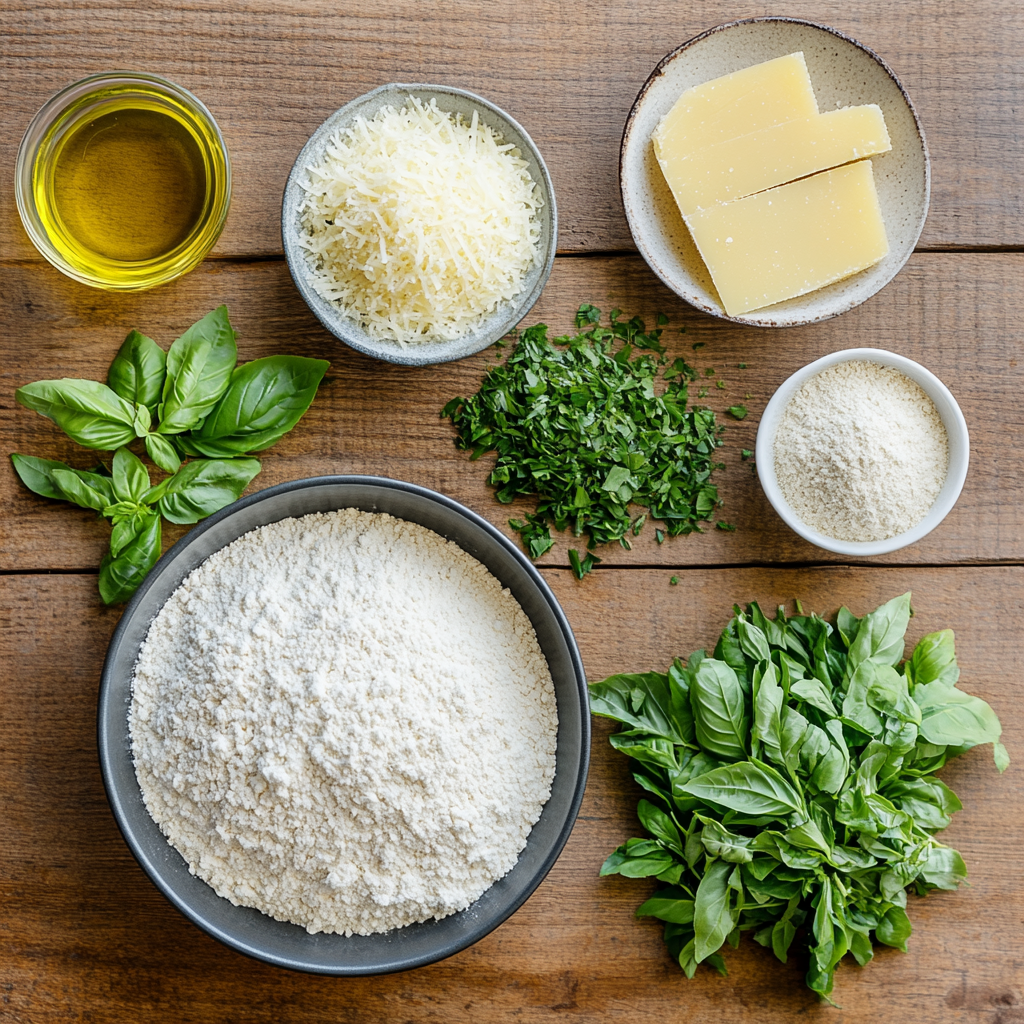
(860, 452)
(345, 722)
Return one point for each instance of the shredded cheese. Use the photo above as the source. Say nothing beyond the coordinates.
(418, 224)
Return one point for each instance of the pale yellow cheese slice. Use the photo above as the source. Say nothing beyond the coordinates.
(746, 101)
(793, 239)
(773, 156)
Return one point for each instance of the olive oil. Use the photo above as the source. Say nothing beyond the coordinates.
(129, 185)
(123, 181)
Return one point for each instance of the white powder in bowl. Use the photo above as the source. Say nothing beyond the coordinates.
(345, 722)
(861, 452)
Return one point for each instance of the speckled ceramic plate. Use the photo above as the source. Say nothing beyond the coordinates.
(844, 73)
(491, 327)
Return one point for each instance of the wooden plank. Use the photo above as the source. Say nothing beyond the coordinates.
(569, 72)
(956, 314)
(85, 936)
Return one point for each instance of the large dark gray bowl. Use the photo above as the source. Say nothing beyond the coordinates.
(288, 945)
(493, 326)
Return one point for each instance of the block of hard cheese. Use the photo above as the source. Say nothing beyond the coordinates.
(746, 101)
(790, 240)
(773, 156)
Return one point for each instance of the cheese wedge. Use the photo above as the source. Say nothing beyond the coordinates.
(741, 166)
(793, 239)
(746, 101)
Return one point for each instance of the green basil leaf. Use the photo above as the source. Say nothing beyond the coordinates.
(934, 660)
(880, 636)
(660, 825)
(753, 642)
(644, 701)
(38, 476)
(131, 481)
(748, 787)
(199, 366)
(645, 748)
(721, 720)
(812, 691)
(834, 766)
(954, 718)
(712, 915)
(80, 491)
(143, 421)
(203, 486)
(674, 905)
(264, 400)
(931, 802)
(847, 623)
(162, 452)
(87, 411)
(894, 928)
(121, 574)
(137, 372)
(944, 868)
(768, 700)
(720, 842)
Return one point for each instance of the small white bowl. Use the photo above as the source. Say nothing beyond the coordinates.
(843, 73)
(948, 410)
(491, 327)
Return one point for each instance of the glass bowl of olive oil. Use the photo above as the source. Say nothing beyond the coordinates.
(123, 181)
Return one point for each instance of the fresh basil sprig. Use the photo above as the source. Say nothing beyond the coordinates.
(790, 783)
(192, 400)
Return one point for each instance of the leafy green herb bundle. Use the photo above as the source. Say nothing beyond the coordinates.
(792, 778)
(190, 401)
(582, 427)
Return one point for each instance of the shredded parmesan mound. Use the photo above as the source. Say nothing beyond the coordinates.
(419, 224)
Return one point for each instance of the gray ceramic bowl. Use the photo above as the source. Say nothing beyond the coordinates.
(491, 328)
(843, 73)
(288, 945)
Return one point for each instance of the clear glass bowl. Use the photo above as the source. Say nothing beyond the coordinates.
(58, 121)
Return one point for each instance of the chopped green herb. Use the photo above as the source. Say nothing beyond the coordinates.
(728, 527)
(738, 412)
(698, 345)
(746, 454)
(577, 422)
(742, 366)
(709, 372)
(702, 393)
(581, 567)
(659, 536)
(721, 385)
(674, 581)
(536, 536)
(748, 397)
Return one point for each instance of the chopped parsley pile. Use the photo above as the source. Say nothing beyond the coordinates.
(580, 423)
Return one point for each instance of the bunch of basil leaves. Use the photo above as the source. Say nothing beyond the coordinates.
(192, 401)
(792, 783)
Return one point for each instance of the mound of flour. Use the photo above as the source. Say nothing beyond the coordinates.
(344, 721)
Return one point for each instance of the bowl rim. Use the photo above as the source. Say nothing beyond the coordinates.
(188, 254)
(952, 419)
(429, 353)
(108, 753)
(757, 317)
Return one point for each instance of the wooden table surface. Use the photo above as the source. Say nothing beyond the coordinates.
(84, 935)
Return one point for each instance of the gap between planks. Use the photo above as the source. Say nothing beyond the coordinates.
(648, 566)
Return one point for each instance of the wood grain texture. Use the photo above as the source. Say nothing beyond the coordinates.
(84, 936)
(959, 315)
(567, 70)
